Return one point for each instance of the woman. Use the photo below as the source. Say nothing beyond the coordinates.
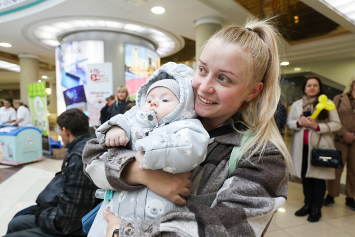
(236, 83)
(345, 104)
(122, 99)
(24, 117)
(306, 135)
(7, 113)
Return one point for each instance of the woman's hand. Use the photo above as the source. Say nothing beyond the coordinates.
(113, 222)
(139, 159)
(170, 186)
(116, 136)
(348, 137)
(308, 122)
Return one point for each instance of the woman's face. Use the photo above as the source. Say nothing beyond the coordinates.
(121, 95)
(220, 81)
(312, 87)
(7, 104)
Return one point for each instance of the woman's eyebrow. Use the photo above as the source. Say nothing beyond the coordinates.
(227, 71)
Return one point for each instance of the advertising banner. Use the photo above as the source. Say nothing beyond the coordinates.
(72, 59)
(38, 105)
(140, 63)
(98, 88)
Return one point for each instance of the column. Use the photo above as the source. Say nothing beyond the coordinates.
(205, 28)
(52, 108)
(28, 74)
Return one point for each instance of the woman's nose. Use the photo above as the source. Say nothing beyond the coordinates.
(207, 85)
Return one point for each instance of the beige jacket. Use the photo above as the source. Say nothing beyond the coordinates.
(327, 141)
(346, 114)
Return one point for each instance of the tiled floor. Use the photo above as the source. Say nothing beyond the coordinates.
(21, 187)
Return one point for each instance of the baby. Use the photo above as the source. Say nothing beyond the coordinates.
(162, 128)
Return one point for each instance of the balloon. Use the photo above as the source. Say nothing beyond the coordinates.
(323, 104)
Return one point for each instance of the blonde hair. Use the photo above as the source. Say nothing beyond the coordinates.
(349, 87)
(122, 88)
(259, 39)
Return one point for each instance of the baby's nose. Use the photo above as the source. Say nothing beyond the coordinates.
(154, 103)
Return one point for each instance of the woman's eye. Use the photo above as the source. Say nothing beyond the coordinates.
(223, 79)
(165, 100)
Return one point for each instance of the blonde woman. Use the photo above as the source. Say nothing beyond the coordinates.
(122, 100)
(236, 88)
(345, 104)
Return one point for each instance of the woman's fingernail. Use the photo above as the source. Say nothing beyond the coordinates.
(105, 211)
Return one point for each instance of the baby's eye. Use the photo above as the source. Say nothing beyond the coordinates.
(201, 70)
(165, 100)
(149, 101)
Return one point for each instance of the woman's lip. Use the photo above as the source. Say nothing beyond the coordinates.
(201, 97)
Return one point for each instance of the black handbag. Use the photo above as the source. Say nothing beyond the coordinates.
(327, 158)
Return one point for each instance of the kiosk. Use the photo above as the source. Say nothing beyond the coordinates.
(20, 145)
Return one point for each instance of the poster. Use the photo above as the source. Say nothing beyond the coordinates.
(38, 105)
(72, 59)
(99, 87)
(140, 63)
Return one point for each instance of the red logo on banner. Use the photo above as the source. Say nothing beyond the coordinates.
(97, 77)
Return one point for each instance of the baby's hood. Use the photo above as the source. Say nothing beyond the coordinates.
(183, 75)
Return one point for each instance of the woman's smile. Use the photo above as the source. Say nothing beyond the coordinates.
(205, 101)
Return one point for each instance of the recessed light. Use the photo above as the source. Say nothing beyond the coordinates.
(158, 10)
(7, 45)
(44, 77)
(297, 69)
(285, 63)
(39, 80)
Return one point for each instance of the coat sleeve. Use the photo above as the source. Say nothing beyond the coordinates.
(179, 150)
(292, 118)
(76, 200)
(243, 206)
(104, 166)
(342, 129)
(333, 122)
(120, 120)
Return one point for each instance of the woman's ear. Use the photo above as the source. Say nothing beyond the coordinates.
(254, 91)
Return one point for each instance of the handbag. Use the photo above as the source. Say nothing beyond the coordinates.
(327, 158)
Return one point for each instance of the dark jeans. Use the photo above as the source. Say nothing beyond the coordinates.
(313, 189)
(25, 226)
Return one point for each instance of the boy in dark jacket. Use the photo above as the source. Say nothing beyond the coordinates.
(70, 195)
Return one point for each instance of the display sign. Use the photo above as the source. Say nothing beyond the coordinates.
(38, 105)
(140, 63)
(98, 88)
(72, 59)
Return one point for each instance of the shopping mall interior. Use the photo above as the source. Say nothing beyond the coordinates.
(58, 44)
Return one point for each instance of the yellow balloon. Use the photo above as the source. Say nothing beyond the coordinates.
(323, 104)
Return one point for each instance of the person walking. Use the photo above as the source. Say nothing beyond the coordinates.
(345, 105)
(306, 135)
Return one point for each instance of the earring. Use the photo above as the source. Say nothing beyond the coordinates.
(247, 100)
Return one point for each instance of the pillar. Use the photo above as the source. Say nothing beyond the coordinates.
(205, 28)
(52, 108)
(28, 74)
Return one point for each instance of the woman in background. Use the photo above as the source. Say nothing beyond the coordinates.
(24, 117)
(122, 99)
(345, 104)
(306, 135)
(7, 113)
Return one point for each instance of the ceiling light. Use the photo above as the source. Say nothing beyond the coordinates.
(7, 45)
(344, 7)
(297, 69)
(9, 66)
(48, 91)
(285, 63)
(158, 10)
(39, 81)
(44, 77)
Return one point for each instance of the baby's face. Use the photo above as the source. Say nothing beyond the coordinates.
(162, 101)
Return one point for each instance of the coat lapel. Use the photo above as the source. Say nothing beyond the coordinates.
(344, 99)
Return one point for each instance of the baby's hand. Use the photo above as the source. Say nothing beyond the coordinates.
(139, 158)
(116, 136)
